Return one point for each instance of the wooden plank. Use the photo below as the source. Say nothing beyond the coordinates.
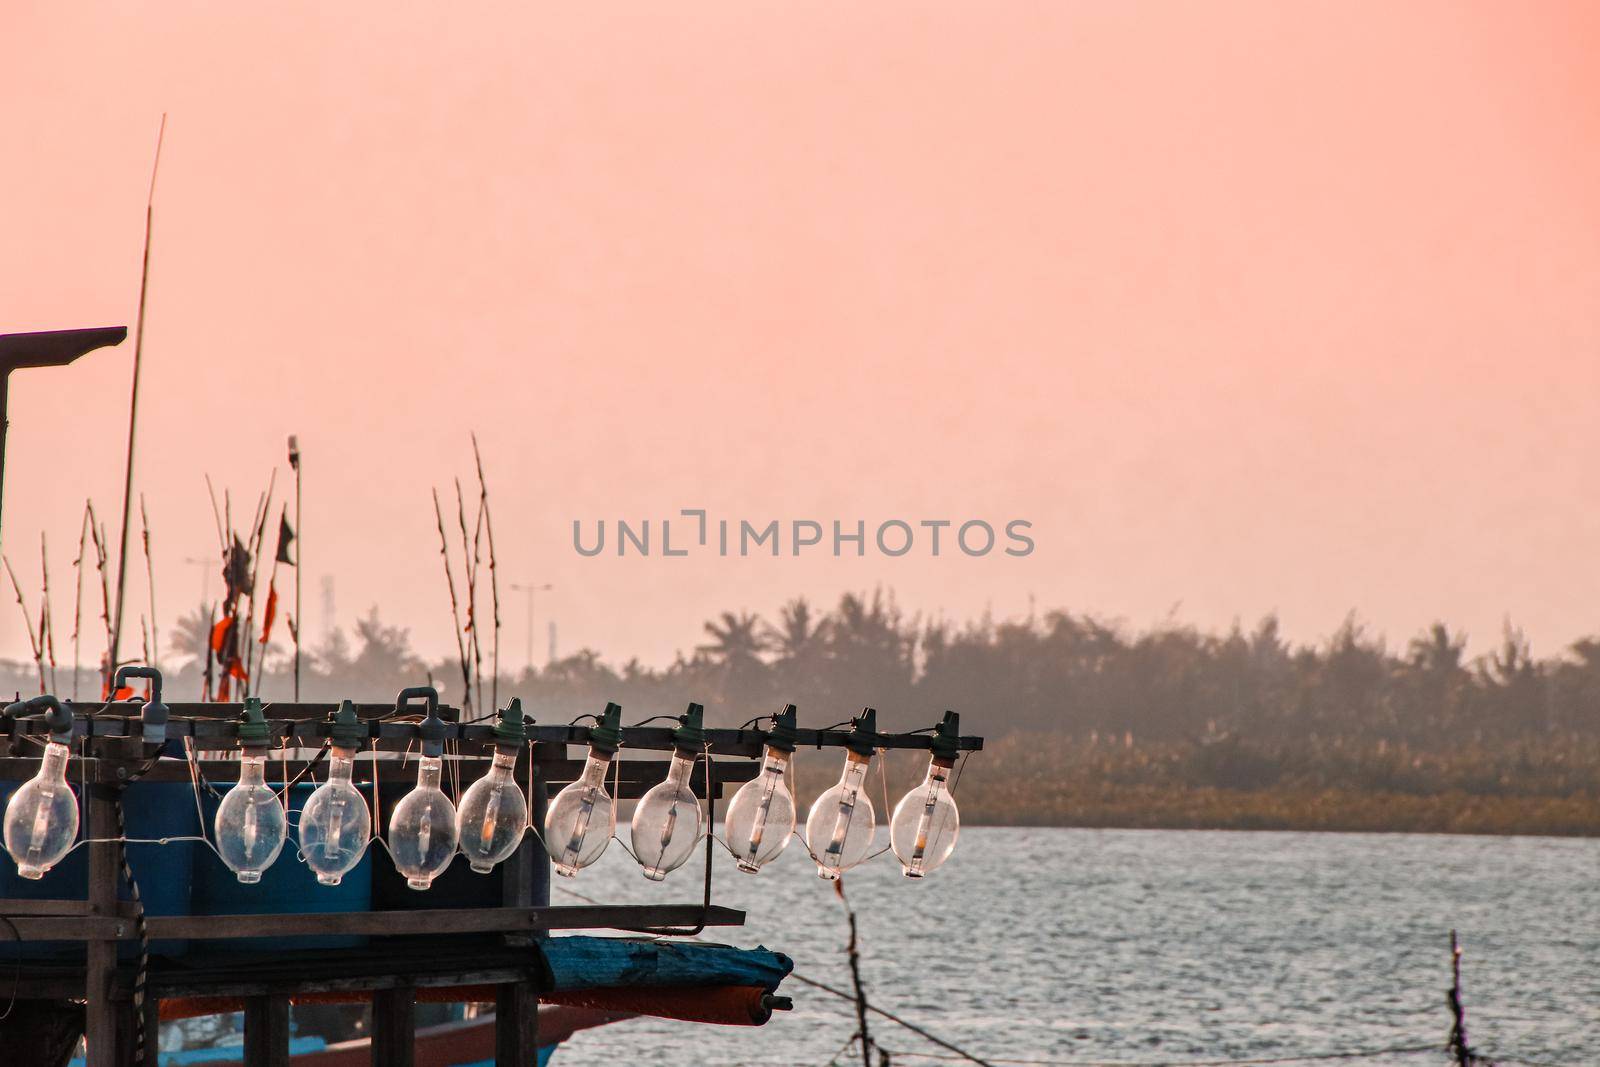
(374, 924)
(266, 1031)
(394, 1027)
(101, 1016)
(516, 1025)
(179, 986)
(152, 1027)
(438, 921)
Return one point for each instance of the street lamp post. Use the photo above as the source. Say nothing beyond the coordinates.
(531, 589)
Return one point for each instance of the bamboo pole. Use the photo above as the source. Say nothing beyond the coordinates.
(153, 652)
(27, 620)
(47, 622)
(133, 402)
(455, 610)
(77, 601)
(494, 579)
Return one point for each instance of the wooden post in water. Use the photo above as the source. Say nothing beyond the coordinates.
(101, 1029)
(516, 1025)
(526, 884)
(394, 1027)
(266, 1031)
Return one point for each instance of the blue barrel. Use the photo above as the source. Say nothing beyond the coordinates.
(151, 810)
(287, 887)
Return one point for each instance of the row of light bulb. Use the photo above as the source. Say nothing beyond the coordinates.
(426, 829)
(840, 827)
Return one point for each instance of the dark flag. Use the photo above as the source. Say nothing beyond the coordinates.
(285, 538)
(236, 571)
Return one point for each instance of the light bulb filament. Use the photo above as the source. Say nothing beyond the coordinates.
(425, 831)
(841, 824)
(491, 818)
(250, 829)
(924, 824)
(580, 827)
(330, 841)
(41, 821)
(758, 830)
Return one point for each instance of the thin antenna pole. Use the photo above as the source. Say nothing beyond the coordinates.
(299, 560)
(47, 618)
(133, 402)
(154, 655)
(77, 602)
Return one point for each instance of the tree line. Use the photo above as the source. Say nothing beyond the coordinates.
(1060, 672)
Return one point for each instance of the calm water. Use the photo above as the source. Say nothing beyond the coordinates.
(1085, 945)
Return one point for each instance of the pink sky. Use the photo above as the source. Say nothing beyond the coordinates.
(1248, 307)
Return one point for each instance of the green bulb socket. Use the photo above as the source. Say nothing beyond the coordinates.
(510, 731)
(691, 735)
(254, 733)
(863, 739)
(947, 738)
(607, 736)
(347, 730)
(782, 735)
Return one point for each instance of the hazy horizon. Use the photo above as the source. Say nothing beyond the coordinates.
(1248, 307)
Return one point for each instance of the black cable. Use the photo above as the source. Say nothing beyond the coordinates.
(16, 968)
(653, 718)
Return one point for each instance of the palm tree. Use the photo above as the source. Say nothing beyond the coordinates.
(737, 643)
(797, 634)
(191, 636)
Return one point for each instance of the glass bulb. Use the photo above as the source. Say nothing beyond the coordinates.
(926, 822)
(335, 825)
(422, 828)
(666, 824)
(250, 825)
(842, 824)
(42, 818)
(493, 815)
(582, 818)
(761, 817)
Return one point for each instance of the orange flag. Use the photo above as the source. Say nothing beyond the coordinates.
(271, 612)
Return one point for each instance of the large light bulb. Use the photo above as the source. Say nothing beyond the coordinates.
(335, 824)
(761, 818)
(493, 814)
(926, 822)
(422, 828)
(583, 816)
(42, 818)
(666, 824)
(842, 823)
(250, 824)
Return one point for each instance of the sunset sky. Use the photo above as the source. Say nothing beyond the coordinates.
(1247, 307)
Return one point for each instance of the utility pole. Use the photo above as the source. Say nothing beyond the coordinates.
(531, 589)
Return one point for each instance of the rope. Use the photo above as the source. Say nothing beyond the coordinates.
(139, 928)
(1361, 1054)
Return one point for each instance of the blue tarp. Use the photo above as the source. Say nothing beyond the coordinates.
(580, 962)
